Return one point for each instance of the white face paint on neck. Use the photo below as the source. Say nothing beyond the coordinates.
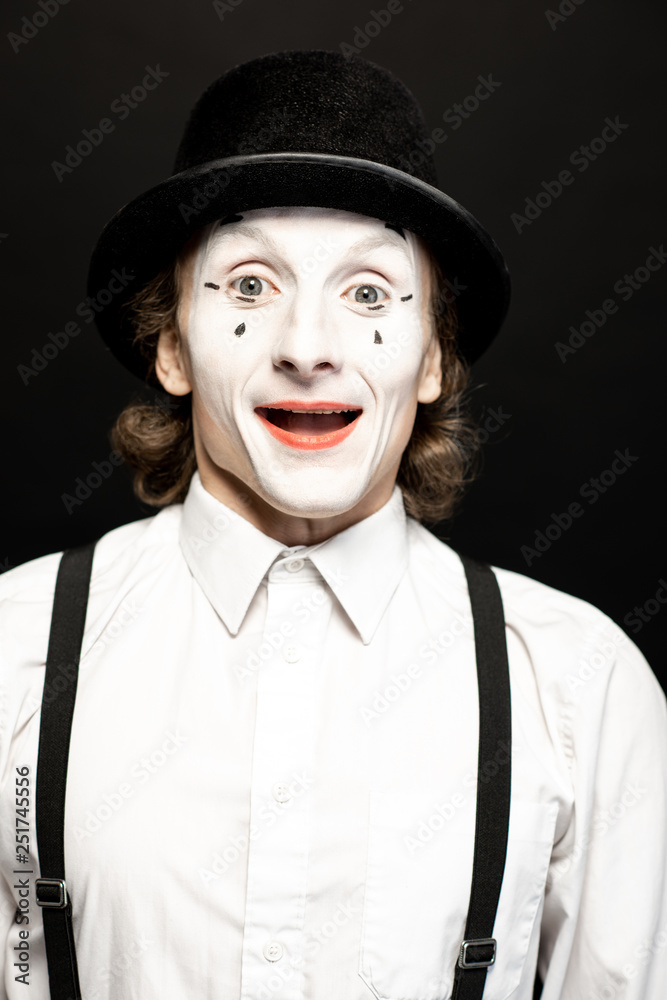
(318, 309)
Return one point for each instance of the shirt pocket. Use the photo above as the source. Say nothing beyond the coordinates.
(418, 876)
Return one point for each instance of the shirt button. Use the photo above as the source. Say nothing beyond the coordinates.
(291, 654)
(281, 793)
(272, 951)
(294, 565)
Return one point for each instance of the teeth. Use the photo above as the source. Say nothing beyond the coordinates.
(345, 410)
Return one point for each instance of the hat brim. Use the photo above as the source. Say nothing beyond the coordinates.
(147, 233)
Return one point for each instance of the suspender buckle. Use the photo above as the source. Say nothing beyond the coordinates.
(51, 892)
(482, 953)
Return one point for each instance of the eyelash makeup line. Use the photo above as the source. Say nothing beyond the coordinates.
(404, 298)
(377, 339)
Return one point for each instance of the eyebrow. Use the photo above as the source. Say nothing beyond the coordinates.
(366, 244)
(251, 232)
(380, 242)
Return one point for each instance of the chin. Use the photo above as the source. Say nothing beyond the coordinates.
(325, 499)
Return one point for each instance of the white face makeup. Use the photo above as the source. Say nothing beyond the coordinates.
(306, 309)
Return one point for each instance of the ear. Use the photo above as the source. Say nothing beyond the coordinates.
(169, 363)
(430, 382)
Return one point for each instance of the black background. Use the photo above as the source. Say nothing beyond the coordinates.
(558, 84)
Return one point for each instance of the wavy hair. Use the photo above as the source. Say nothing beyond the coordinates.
(156, 439)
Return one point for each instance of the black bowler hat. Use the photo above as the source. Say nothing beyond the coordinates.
(310, 128)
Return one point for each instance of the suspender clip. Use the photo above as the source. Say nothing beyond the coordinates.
(483, 953)
(51, 892)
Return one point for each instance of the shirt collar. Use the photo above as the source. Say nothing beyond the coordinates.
(229, 557)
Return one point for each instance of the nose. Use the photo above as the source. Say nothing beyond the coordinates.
(308, 341)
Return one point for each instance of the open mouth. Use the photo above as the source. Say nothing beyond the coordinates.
(321, 425)
(308, 422)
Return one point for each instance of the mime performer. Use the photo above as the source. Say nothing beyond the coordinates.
(279, 740)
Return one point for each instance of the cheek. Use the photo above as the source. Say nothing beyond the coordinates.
(392, 367)
(221, 362)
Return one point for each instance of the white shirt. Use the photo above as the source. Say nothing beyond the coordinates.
(272, 777)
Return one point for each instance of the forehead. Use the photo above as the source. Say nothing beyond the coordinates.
(335, 230)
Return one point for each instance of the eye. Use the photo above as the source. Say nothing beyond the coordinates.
(252, 287)
(368, 295)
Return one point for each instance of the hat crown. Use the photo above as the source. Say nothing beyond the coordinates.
(309, 102)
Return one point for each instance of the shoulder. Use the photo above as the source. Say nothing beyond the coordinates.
(34, 580)
(577, 668)
(26, 591)
(565, 638)
(523, 597)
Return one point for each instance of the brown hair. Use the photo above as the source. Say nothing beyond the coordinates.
(157, 441)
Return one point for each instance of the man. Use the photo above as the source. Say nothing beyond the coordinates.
(275, 763)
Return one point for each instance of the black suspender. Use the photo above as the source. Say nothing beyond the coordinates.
(478, 949)
(62, 670)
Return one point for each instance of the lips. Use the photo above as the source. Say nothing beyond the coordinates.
(309, 425)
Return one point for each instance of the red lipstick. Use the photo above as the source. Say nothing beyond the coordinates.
(293, 422)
